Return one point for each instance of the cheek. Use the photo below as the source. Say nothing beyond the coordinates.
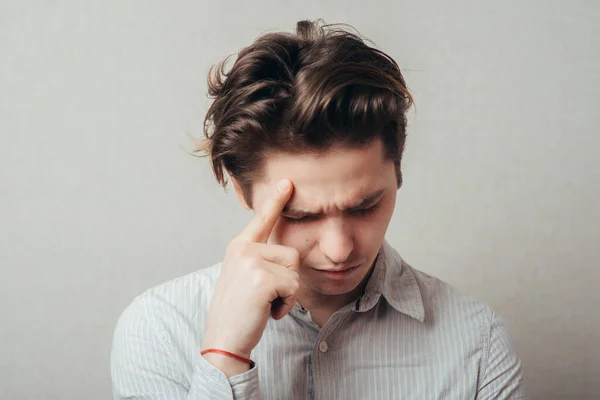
(298, 236)
(373, 227)
(370, 231)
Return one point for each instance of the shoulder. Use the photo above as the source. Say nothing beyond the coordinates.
(471, 323)
(192, 288)
(444, 310)
(171, 303)
(440, 296)
(436, 302)
(442, 300)
(161, 327)
(458, 323)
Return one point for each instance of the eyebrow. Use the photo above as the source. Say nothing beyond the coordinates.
(299, 213)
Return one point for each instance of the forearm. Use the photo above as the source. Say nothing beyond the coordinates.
(143, 367)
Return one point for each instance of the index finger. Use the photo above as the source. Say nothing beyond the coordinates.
(261, 226)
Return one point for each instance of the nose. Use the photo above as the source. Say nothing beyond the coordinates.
(336, 243)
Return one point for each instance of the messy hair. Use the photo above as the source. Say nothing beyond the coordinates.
(302, 92)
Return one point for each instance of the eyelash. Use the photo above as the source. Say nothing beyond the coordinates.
(363, 212)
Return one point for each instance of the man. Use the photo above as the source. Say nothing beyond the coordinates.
(310, 301)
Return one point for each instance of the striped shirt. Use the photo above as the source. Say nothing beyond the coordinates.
(410, 336)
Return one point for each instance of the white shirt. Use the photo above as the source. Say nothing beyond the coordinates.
(410, 336)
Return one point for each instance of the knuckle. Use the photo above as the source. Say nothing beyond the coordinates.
(294, 254)
(294, 257)
(295, 285)
(260, 278)
(252, 263)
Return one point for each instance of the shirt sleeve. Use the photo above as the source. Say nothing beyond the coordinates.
(143, 367)
(502, 375)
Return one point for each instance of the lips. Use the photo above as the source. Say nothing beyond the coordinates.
(337, 270)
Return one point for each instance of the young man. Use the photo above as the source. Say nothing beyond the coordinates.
(310, 301)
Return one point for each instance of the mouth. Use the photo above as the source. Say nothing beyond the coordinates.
(337, 273)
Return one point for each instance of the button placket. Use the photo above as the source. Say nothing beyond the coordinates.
(324, 366)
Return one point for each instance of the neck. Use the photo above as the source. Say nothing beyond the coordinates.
(315, 302)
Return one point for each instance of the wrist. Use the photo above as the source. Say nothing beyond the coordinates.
(230, 366)
(225, 345)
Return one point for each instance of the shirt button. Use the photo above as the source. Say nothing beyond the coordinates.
(323, 347)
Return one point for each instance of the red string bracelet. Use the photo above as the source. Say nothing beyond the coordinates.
(228, 354)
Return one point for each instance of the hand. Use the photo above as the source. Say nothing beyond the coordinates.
(257, 280)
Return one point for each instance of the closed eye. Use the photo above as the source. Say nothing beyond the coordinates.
(358, 212)
(302, 220)
(366, 211)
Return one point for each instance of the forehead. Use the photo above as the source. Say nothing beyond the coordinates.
(337, 176)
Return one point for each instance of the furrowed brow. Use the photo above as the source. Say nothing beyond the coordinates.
(299, 213)
(292, 212)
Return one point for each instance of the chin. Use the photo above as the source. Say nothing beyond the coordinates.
(330, 290)
(337, 287)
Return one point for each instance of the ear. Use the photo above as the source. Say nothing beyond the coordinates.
(239, 192)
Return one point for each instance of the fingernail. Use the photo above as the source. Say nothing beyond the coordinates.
(283, 185)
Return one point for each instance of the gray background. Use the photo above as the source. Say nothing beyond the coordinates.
(100, 201)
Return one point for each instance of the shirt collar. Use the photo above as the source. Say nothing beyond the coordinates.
(395, 280)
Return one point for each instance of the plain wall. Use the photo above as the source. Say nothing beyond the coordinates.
(99, 200)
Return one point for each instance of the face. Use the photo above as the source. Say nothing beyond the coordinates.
(338, 214)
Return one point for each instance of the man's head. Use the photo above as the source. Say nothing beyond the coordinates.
(328, 112)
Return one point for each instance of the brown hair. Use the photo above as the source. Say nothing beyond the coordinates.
(300, 93)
